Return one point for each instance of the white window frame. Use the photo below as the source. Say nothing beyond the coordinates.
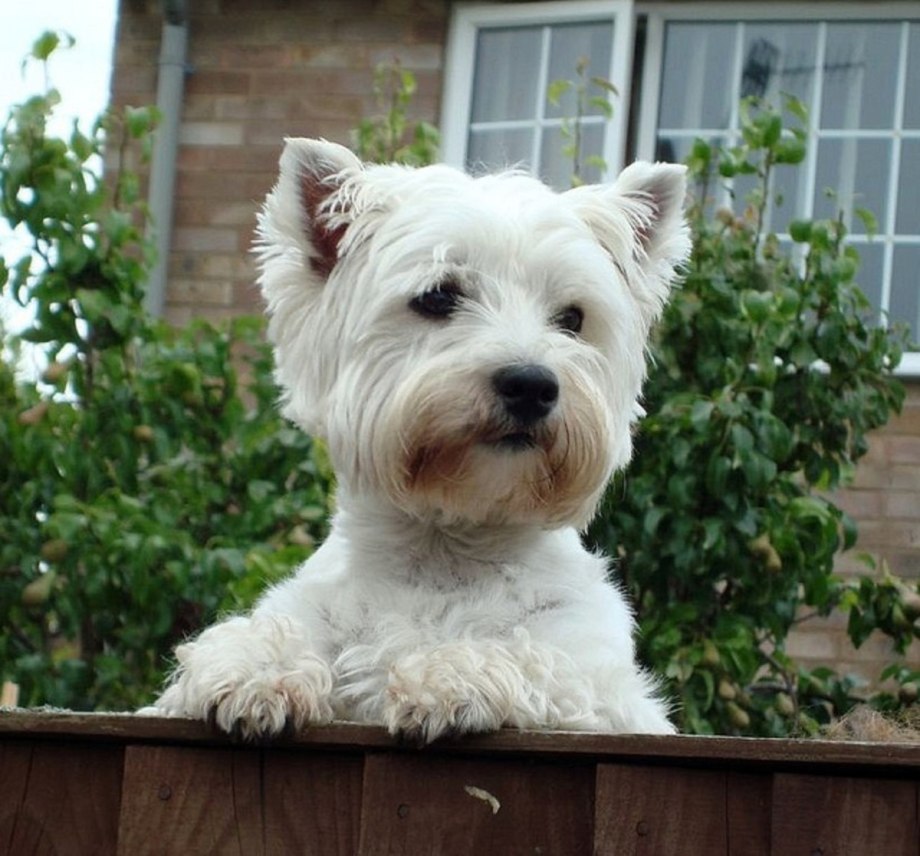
(658, 14)
(467, 20)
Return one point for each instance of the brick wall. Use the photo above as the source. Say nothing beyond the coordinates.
(884, 499)
(264, 70)
(260, 71)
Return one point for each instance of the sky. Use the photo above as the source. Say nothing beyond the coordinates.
(81, 74)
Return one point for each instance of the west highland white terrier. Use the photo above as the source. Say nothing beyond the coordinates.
(472, 351)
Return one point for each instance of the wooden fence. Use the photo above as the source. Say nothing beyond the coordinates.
(100, 784)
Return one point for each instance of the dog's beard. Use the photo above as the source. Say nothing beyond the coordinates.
(458, 457)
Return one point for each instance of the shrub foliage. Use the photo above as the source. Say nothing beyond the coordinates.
(768, 371)
(146, 480)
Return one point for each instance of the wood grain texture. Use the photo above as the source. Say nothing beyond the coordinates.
(419, 804)
(749, 806)
(191, 801)
(312, 802)
(60, 800)
(844, 816)
(649, 811)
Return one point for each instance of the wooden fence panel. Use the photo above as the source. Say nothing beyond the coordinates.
(844, 816)
(312, 803)
(644, 811)
(59, 799)
(191, 801)
(435, 806)
(749, 801)
(101, 784)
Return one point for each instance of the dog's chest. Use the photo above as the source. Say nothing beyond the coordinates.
(426, 608)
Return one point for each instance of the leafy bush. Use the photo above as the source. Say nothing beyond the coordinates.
(147, 482)
(768, 371)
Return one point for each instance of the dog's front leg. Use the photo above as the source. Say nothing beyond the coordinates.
(252, 676)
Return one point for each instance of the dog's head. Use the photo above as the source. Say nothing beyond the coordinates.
(472, 349)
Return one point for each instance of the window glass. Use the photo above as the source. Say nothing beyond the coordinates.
(569, 44)
(912, 103)
(860, 69)
(557, 167)
(851, 174)
(905, 288)
(693, 91)
(490, 148)
(512, 121)
(871, 271)
(907, 221)
(506, 77)
(858, 81)
(779, 59)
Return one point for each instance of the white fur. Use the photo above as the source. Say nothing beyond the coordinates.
(453, 594)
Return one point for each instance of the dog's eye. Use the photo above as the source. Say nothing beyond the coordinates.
(569, 320)
(439, 302)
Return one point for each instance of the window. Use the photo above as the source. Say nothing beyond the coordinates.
(852, 65)
(501, 60)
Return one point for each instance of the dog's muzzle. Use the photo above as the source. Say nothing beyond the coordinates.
(528, 393)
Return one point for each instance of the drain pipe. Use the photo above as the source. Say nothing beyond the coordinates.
(160, 196)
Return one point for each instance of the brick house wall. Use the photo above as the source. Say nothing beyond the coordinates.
(262, 71)
(259, 72)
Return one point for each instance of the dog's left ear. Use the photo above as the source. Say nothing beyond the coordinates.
(639, 220)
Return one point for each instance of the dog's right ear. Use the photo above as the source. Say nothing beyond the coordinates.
(300, 232)
(302, 204)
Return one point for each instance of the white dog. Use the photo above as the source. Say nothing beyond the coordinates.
(472, 350)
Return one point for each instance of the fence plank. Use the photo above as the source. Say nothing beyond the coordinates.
(59, 799)
(435, 805)
(749, 801)
(191, 801)
(312, 802)
(649, 811)
(844, 816)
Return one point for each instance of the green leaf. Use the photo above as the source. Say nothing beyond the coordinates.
(869, 221)
(605, 84)
(790, 151)
(796, 107)
(556, 89)
(800, 231)
(47, 43)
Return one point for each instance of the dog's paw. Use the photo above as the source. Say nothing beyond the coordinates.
(272, 704)
(454, 689)
(252, 679)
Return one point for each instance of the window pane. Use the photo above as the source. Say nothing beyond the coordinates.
(912, 102)
(788, 196)
(905, 290)
(860, 70)
(569, 44)
(779, 59)
(557, 168)
(908, 217)
(787, 186)
(507, 73)
(696, 89)
(871, 270)
(852, 174)
(497, 149)
(676, 148)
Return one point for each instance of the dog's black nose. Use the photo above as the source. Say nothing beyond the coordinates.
(529, 392)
